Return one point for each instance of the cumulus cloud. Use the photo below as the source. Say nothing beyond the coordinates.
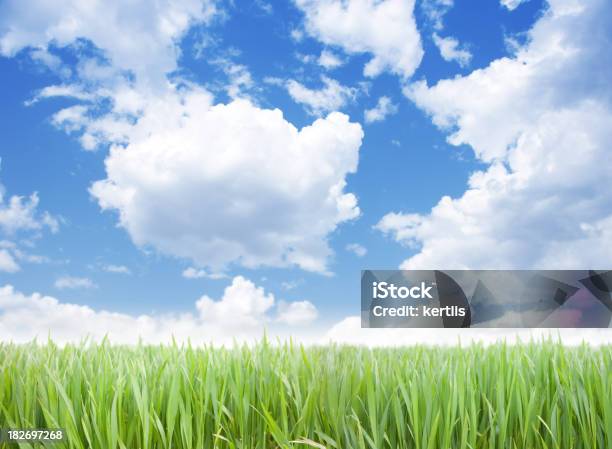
(71, 282)
(451, 50)
(384, 29)
(296, 313)
(542, 121)
(243, 305)
(242, 313)
(154, 29)
(25, 317)
(357, 249)
(331, 97)
(384, 107)
(201, 181)
(188, 177)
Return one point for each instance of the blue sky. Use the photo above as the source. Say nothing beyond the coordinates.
(122, 80)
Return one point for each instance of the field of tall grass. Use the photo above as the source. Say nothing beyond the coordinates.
(538, 395)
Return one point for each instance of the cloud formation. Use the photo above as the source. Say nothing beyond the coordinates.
(542, 121)
(297, 313)
(435, 10)
(241, 314)
(154, 29)
(333, 96)
(201, 181)
(384, 107)
(20, 215)
(451, 50)
(25, 317)
(384, 29)
(329, 60)
(187, 176)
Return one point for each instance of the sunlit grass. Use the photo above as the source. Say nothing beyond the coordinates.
(540, 395)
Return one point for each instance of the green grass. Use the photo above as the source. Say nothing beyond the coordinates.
(540, 395)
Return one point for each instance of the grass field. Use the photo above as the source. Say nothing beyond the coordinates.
(540, 395)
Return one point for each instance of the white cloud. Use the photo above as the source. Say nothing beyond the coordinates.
(194, 273)
(23, 256)
(20, 214)
(381, 111)
(63, 90)
(239, 77)
(116, 269)
(545, 75)
(243, 305)
(97, 130)
(451, 50)
(296, 313)
(70, 282)
(512, 4)
(332, 97)
(357, 249)
(303, 58)
(435, 10)
(220, 163)
(383, 28)
(349, 331)
(154, 29)
(542, 120)
(7, 262)
(241, 314)
(70, 119)
(51, 61)
(329, 60)
(326, 59)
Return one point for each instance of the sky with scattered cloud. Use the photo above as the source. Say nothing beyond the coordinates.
(210, 169)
